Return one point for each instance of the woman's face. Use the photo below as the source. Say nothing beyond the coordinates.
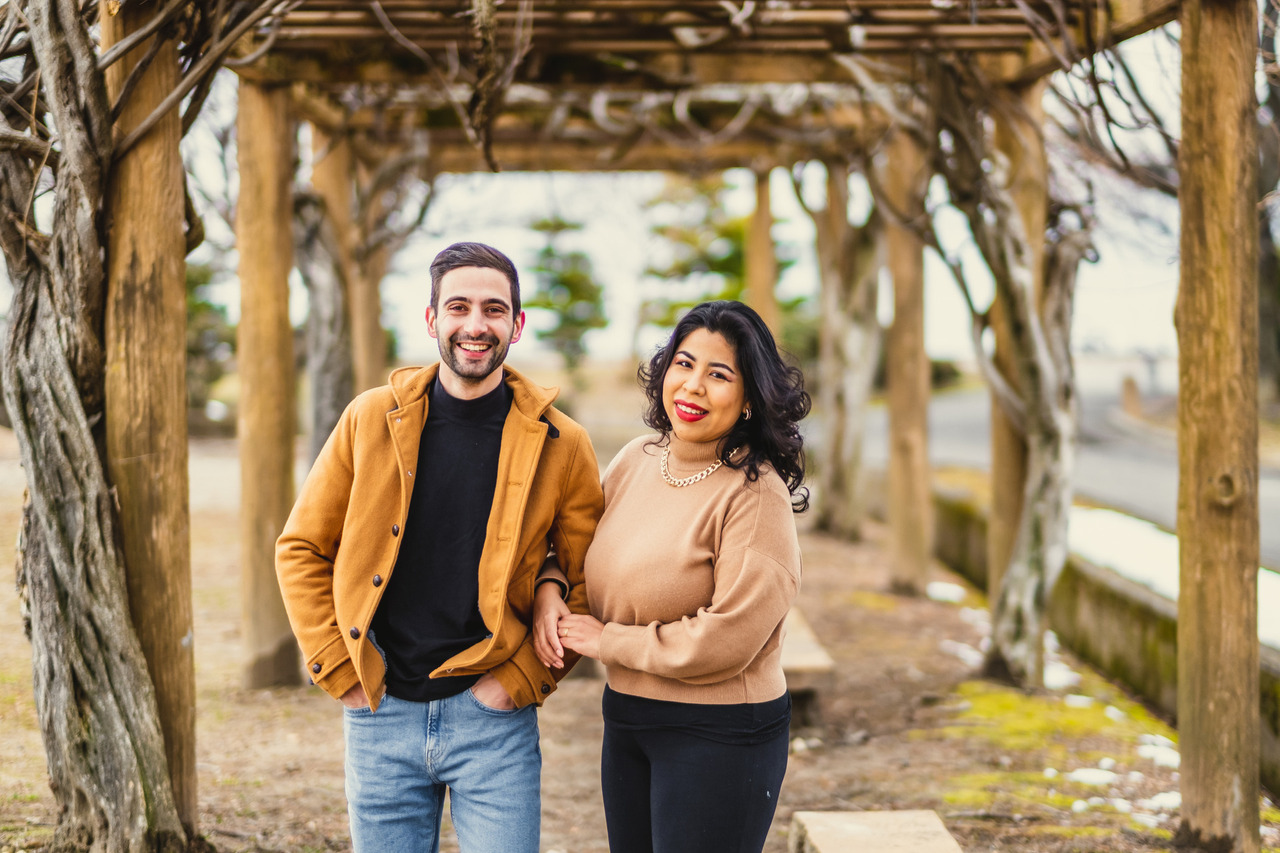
(703, 391)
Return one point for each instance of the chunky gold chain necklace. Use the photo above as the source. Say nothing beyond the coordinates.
(685, 481)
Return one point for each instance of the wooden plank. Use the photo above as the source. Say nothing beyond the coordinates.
(916, 831)
(807, 664)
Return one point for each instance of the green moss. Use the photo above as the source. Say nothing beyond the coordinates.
(872, 601)
(1019, 721)
(1020, 790)
(969, 798)
(1271, 815)
(1072, 831)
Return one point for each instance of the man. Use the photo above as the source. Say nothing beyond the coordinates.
(408, 568)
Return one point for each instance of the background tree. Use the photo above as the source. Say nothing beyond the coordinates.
(954, 116)
(1126, 125)
(566, 286)
(705, 248)
(210, 343)
(850, 256)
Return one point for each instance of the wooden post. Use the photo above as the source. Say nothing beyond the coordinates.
(1021, 142)
(760, 261)
(368, 337)
(910, 493)
(146, 391)
(268, 417)
(1216, 319)
(332, 373)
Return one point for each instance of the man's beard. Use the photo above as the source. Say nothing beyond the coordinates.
(474, 372)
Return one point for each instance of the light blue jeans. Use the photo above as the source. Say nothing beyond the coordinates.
(401, 759)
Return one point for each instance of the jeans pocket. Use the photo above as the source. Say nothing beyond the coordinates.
(499, 712)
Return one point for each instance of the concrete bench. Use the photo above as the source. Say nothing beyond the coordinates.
(807, 666)
(870, 832)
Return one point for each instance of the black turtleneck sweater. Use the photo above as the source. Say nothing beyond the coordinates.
(429, 611)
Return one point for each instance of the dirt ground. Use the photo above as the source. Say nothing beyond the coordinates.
(905, 725)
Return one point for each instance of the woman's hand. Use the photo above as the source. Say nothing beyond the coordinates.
(581, 634)
(548, 607)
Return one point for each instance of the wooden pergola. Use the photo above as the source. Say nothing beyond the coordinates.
(611, 85)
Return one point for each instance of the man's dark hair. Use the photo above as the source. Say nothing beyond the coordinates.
(473, 255)
(774, 391)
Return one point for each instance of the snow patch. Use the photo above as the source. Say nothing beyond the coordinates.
(967, 653)
(1059, 676)
(1091, 776)
(952, 593)
(1145, 554)
(1169, 801)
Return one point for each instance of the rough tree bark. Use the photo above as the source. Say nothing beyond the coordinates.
(1216, 319)
(848, 346)
(94, 696)
(907, 368)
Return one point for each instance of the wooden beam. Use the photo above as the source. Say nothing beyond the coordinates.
(268, 415)
(1217, 323)
(146, 391)
(910, 483)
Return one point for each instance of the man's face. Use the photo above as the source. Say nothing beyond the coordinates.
(473, 326)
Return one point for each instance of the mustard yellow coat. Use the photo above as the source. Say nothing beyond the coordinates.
(338, 550)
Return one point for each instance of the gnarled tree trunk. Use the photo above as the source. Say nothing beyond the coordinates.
(95, 699)
(328, 333)
(849, 257)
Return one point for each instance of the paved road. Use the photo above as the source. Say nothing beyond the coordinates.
(1131, 470)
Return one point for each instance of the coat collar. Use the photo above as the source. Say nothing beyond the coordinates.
(410, 384)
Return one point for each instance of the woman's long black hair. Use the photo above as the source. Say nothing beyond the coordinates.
(775, 392)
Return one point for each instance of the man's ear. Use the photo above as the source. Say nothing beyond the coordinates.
(519, 328)
(431, 321)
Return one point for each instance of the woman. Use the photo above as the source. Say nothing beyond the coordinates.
(689, 577)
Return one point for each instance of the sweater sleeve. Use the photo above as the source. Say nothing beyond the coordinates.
(756, 576)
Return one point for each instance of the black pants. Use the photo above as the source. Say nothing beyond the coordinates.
(681, 778)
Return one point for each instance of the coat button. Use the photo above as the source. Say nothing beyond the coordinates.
(546, 688)
(315, 667)
(377, 580)
(395, 530)
(355, 633)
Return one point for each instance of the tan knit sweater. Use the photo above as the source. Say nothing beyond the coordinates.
(692, 583)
